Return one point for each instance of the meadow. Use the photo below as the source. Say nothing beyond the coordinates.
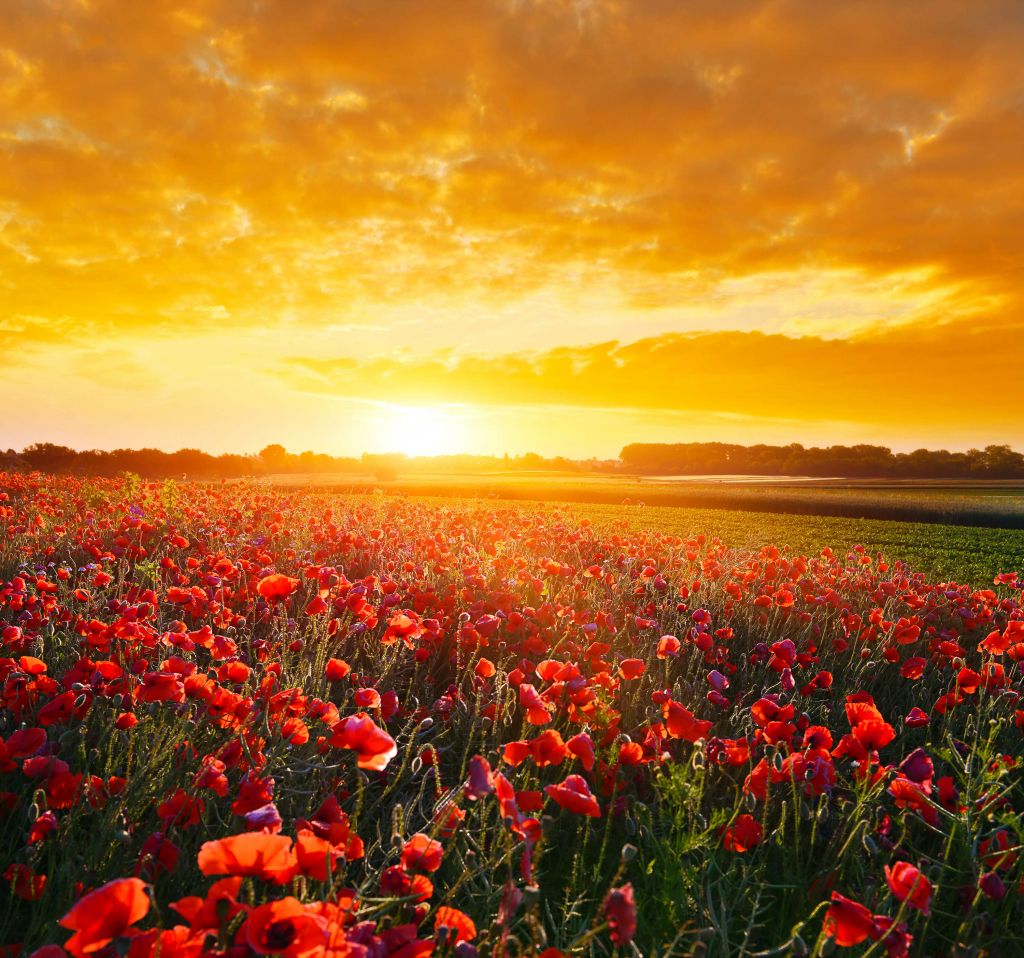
(989, 504)
(246, 719)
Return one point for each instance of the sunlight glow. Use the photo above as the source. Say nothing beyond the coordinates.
(420, 431)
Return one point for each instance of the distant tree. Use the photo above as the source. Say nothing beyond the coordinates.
(274, 457)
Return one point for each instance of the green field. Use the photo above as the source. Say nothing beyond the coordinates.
(965, 553)
(963, 532)
(993, 504)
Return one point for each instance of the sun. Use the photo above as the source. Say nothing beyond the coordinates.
(421, 431)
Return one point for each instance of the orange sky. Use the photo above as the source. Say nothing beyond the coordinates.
(515, 225)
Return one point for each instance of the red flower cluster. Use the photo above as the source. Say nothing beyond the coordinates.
(313, 726)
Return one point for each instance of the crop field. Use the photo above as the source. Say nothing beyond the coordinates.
(250, 719)
(992, 504)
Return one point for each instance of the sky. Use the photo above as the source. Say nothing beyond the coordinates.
(556, 226)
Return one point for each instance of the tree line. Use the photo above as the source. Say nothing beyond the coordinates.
(272, 460)
(861, 461)
(692, 458)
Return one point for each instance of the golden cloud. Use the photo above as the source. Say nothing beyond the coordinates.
(182, 166)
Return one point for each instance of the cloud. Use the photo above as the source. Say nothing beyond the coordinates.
(898, 382)
(378, 149)
(357, 176)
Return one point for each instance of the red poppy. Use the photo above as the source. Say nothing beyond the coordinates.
(620, 911)
(276, 586)
(205, 913)
(374, 747)
(337, 669)
(631, 668)
(908, 884)
(452, 925)
(548, 748)
(913, 668)
(104, 915)
(847, 921)
(285, 928)
(422, 853)
(533, 705)
(743, 834)
(574, 795)
(330, 823)
(316, 857)
(681, 722)
(270, 857)
(582, 746)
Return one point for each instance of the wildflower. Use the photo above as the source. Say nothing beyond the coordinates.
(104, 915)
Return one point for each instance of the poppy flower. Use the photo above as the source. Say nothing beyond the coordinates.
(26, 742)
(316, 857)
(631, 668)
(575, 796)
(269, 857)
(681, 722)
(374, 747)
(743, 834)
(991, 886)
(205, 913)
(533, 705)
(913, 668)
(548, 748)
(908, 884)
(330, 823)
(104, 915)
(337, 669)
(847, 921)
(452, 925)
(422, 853)
(916, 718)
(668, 646)
(276, 587)
(285, 928)
(481, 778)
(397, 882)
(582, 746)
(620, 912)
(515, 753)
(873, 734)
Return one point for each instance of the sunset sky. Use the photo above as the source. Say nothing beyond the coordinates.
(368, 225)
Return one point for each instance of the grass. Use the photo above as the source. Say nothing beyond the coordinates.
(993, 504)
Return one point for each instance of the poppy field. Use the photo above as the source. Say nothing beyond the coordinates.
(241, 720)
